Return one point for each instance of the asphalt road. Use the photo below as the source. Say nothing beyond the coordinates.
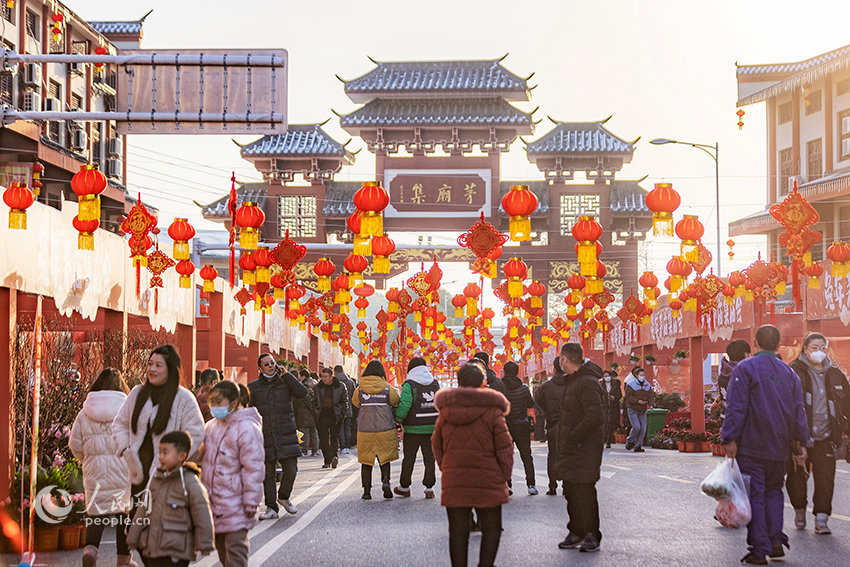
(652, 514)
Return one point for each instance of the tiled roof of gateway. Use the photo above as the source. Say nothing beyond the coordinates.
(339, 198)
(301, 140)
(453, 78)
(540, 190)
(792, 68)
(117, 27)
(253, 192)
(628, 196)
(579, 137)
(437, 112)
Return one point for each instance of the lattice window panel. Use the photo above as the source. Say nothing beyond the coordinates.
(53, 128)
(32, 25)
(574, 206)
(95, 143)
(814, 162)
(7, 90)
(8, 12)
(297, 213)
(785, 163)
(785, 113)
(80, 47)
(844, 133)
(815, 102)
(76, 102)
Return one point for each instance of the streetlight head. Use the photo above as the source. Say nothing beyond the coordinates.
(661, 141)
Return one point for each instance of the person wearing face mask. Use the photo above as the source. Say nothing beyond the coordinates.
(233, 469)
(272, 394)
(826, 396)
(581, 441)
(613, 393)
(639, 396)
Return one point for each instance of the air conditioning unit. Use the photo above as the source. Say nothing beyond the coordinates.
(794, 179)
(76, 125)
(79, 140)
(113, 168)
(115, 147)
(52, 105)
(32, 101)
(77, 68)
(32, 75)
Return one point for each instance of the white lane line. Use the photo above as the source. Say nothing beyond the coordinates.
(616, 467)
(607, 474)
(262, 526)
(273, 545)
(842, 471)
(836, 516)
(676, 479)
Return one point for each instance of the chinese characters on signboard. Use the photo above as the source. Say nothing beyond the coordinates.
(450, 193)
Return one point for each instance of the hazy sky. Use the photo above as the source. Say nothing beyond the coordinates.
(661, 68)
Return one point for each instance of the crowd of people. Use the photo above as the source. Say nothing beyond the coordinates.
(180, 474)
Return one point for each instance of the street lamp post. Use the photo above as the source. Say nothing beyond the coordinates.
(715, 156)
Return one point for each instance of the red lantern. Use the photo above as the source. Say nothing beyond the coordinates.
(181, 232)
(382, 249)
(361, 303)
(248, 265)
(729, 293)
(18, 198)
(814, 271)
(679, 271)
(516, 270)
(839, 254)
(586, 232)
(88, 184)
(249, 219)
(324, 268)
(362, 244)
(263, 259)
(536, 290)
(293, 294)
(355, 265)
(663, 201)
(576, 283)
(343, 296)
(472, 291)
(690, 231)
(279, 285)
(370, 200)
(648, 281)
(185, 268)
(100, 50)
(86, 228)
(519, 203)
(676, 306)
(459, 302)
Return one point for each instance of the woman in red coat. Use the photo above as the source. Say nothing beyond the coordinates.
(474, 450)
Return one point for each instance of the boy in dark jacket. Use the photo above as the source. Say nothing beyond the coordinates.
(519, 425)
(613, 394)
(332, 399)
(173, 523)
(549, 397)
(639, 397)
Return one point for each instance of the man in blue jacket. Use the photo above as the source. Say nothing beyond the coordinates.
(764, 418)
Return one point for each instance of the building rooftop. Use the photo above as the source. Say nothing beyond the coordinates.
(483, 112)
(579, 138)
(300, 140)
(793, 68)
(339, 198)
(109, 28)
(455, 79)
(628, 197)
(252, 192)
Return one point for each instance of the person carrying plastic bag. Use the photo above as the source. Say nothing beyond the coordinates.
(727, 485)
(764, 417)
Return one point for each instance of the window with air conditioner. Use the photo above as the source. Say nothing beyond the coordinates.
(55, 91)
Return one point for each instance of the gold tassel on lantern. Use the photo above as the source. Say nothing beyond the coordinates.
(536, 301)
(362, 246)
(662, 224)
(676, 282)
(807, 258)
(520, 229)
(417, 316)
(730, 300)
(741, 291)
(472, 307)
(85, 241)
(814, 283)
(514, 332)
(361, 313)
(181, 250)
(371, 224)
(676, 313)
(294, 304)
(594, 284)
(515, 287)
(588, 269)
(89, 207)
(249, 238)
(780, 288)
(279, 293)
(690, 250)
(324, 283)
(249, 278)
(458, 312)
(381, 265)
(18, 219)
(691, 304)
(390, 325)
(209, 286)
(185, 281)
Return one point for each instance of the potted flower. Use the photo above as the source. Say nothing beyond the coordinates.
(690, 442)
(615, 366)
(650, 359)
(634, 359)
(680, 355)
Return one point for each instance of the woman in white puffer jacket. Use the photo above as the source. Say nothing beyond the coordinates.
(106, 477)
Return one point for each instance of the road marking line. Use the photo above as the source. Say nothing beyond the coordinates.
(836, 516)
(616, 467)
(842, 472)
(676, 479)
(263, 525)
(607, 474)
(273, 545)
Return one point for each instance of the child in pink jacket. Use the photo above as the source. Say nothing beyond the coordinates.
(232, 471)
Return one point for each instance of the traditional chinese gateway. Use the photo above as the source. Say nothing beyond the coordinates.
(438, 130)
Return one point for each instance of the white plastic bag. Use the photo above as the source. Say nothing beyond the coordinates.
(729, 487)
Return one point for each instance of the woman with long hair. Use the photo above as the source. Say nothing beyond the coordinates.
(152, 409)
(377, 437)
(105, 477)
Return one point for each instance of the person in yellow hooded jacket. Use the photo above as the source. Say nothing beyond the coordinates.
(376, 432)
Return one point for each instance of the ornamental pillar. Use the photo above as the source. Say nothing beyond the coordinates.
(216, 330)
(8, 319)
(695, 402)
(185, 336)
(251, 367)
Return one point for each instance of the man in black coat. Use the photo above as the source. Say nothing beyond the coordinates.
(548, 397)
(581, 439)
(613, 395)
(345, 430)
(519, 425)
(332, 398)
(493, 381)
(272, 394)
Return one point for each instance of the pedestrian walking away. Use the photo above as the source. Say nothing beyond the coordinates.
(474, 450)
(639, 397)
(493, 381)
(106, 478)
(736, 351)
(765, 416)
(306, 410)
(826, 397)
(418, 415)
(173, 523)
(272, 394)
(549, 397)
(233, 468)
(613, 395)
(345, 428)
(157, 406)
(332, 400)
(581, 437)
(376, 432)
(520, 425)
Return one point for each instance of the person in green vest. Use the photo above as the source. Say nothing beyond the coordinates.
(417, 415)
